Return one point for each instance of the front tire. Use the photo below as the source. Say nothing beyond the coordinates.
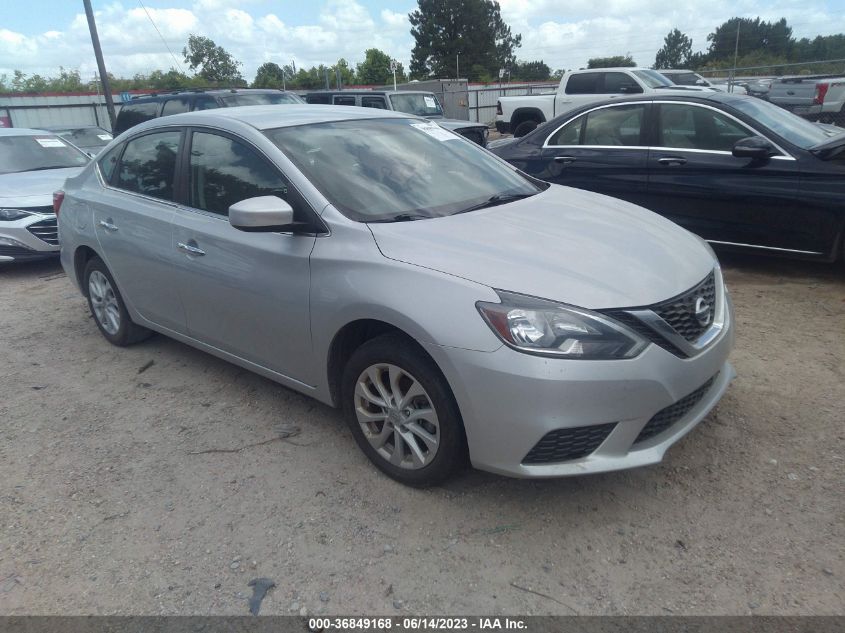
(402, 413)
(107, 306)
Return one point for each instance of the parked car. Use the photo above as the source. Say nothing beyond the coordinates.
(520, 115)
(418, 103)
(145, 107)
(819, 98)
(33, 164)
(738, 171)
(690, 78)
(383, 265)
(89, 138)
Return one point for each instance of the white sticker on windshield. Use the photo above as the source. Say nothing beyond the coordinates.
(105, 137)
(430, 102)
(49, 142)
(435, 131)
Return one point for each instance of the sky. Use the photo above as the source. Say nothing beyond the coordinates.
(563, 33)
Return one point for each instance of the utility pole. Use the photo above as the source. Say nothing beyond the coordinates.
(457, 65)
(98, 53)
(736, 57)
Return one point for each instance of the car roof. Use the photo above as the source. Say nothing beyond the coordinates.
(54, 128)
(267, 117)
(369, 92)
(165, 94)
(22, 131)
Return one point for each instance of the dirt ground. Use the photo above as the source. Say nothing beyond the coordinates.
(123, 491)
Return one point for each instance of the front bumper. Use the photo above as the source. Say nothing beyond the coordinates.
(509, 401)
(19, 240)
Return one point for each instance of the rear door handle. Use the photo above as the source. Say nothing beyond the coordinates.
(565, 159)
(672, 160)
(188, 248)
(108, 225)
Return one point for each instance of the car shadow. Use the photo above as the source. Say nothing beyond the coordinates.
(39, 268)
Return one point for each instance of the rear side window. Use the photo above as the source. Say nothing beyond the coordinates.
(347, 101)
(374, 102)
(175, 106)
(318, 98)
(619, 125)
(584, 84)
(148, 165)
(134, 113)
(205, 103)
(108, 162)
(569, 134)
(225, 171)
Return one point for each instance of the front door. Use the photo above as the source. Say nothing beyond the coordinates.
(695, 180)
(244, 293)
(133, 221)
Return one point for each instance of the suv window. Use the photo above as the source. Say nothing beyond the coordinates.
(617, 126)
(175, 106)
(620, 83)
(318, 98)
(224, 171)
(693, 127)
(148, 164)
(348, 101)
(132, 114)
(583, 84)
(205, 103)
(373, 102)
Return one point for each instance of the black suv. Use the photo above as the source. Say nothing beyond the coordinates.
(416, 102)
(146, 107)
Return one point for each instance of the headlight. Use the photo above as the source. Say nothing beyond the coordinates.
(538, 326)
(8, 215)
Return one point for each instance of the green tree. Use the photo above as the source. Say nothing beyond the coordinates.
(347, 74)
(472, 30)
(676, 51)
(773, 38)
(531, 71)
(617, 61)
(375, 69)
(269, 75)
(212, 62)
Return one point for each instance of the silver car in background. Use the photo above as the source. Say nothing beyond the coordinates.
(453, 307)
(33, 164)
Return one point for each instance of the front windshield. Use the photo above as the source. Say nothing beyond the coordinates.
(652, 78)
(86, 136)
(267, 98)
(417, 104)
(685, 79)
(31, 153)
(380, 170)
(790, 126)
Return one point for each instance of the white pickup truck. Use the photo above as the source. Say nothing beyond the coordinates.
(818, 98)
(520, 115)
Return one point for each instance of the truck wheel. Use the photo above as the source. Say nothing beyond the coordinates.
(524, 128)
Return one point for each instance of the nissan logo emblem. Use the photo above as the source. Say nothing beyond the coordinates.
(702, 312)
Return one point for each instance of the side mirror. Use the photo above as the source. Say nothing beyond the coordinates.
(261, 214)
(701, 82)
(754, 147)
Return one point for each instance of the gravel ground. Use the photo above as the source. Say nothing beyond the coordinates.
(160, 480)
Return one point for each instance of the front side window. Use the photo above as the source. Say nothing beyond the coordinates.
(134, 113)
(685, 126)
(36, 153)
(148, 165)
(205, 103)
(383, 170)
(224, 171)
(374, 102)
(620, 83)
(347, 101)
(583, 84)
(176, 106)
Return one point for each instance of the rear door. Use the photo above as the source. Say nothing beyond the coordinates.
(602, 150)
(695, 180)
(244, 293)
(133, 223)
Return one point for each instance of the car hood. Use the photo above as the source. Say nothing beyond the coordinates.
(454, 124)
(564, 244)
(34, 188)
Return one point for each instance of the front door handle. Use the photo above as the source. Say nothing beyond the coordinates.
(672, 160)
(190, 249)
(565, 159)
(108, 225)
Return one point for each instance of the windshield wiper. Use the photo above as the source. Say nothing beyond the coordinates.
(52, 167)
(403, 217)
(499, 198)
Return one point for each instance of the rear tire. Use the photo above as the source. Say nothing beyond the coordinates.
(418, 437)
(524, 128)
(107, 306)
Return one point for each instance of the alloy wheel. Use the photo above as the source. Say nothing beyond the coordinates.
(397, 416)
(104, 302)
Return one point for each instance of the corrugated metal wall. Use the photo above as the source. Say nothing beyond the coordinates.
(44, 111)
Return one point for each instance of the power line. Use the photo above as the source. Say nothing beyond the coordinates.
(162, 37)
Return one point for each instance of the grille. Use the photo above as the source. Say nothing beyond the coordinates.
(665, 418)
(643, 330)
(46, 231)
(565, 444)
(680, 311)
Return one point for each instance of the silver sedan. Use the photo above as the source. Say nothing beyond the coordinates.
(454, 308)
